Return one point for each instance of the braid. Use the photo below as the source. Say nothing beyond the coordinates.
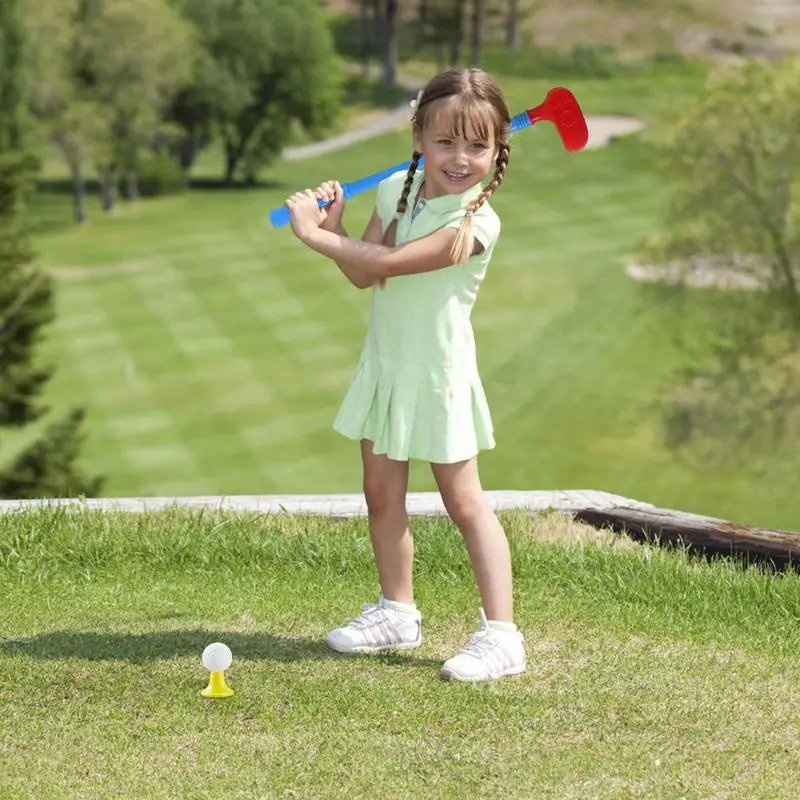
(402, 203)
(464, 241)
(390, 237)
(501, 165)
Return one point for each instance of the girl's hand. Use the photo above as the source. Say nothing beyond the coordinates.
(305, 214)
(332, 192)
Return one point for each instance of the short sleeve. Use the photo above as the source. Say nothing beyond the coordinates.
(485, 226)
(389, 191)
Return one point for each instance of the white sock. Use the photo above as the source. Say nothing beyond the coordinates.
(402, 608)
(501, 627)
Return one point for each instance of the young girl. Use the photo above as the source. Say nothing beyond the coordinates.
(416, 392)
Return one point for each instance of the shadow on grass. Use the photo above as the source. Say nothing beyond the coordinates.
(139, 648)
(51, 209)
(64, 186)
(215, 184)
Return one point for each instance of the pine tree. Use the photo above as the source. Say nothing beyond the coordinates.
(45, 466)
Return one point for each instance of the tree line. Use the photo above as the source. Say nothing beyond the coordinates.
(113, 82)
(122, 86)
(452, 30)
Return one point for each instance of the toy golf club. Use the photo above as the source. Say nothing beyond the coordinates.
(559, 107)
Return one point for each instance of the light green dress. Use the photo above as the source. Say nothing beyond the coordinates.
(416, 392)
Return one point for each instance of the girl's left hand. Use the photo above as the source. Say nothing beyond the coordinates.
(305, 213)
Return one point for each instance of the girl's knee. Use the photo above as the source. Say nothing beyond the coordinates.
(465, 508)
(385, 482)
(383, 497)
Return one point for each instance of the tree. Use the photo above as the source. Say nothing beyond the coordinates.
(137, 54)
(42, 464)
(12, 77)
(390, 44)
(476, 31)
(733, 155)
(443, 26)
(368, 30)
(264, 65)
(512, 25)
(68, 115)
(103, 74)
(733, 158)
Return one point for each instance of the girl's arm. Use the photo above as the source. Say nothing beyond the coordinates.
(379, 261)
(331, 191)
(376, 260)
(374, 235)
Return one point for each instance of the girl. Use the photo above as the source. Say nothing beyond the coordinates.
(416, 392)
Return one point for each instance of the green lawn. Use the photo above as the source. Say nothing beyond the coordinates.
(650, 674)
(213, 351)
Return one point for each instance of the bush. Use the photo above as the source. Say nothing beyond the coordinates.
(160, 175)
(581, 61)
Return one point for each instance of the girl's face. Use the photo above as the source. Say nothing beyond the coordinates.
(457, 156)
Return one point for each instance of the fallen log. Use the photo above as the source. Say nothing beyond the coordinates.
(708, 535)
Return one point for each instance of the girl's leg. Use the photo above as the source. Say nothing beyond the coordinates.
(498, 648)
(394, 623)
(485, 539)
(385, 487)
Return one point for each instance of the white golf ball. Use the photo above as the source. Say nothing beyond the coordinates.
(217, 657)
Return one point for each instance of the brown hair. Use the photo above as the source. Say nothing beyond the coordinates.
(477, 100)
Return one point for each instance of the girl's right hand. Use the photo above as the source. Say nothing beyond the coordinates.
(331, 192)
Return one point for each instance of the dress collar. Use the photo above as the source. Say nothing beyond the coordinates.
(444, 203)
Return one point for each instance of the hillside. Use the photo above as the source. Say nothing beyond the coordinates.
(634, 27)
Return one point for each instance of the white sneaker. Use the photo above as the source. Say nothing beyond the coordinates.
(385, 626)
(490, 653)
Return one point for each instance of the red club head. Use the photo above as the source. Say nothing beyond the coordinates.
(561, 108)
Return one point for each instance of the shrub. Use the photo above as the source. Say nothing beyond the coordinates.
(160, 175)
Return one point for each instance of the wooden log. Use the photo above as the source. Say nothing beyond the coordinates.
(708, 535)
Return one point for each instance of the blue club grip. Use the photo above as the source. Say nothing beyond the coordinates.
(279, 216)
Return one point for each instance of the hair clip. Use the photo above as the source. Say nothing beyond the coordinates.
(398, 215)
(415, 104)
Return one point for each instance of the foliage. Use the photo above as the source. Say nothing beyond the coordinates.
(45, 466)
(732, 157)
(741, 403)
(580, 61)
(136, 55)
(13, 113)
(102, 75)
(68, 116)
(263, 65)
(159, 174)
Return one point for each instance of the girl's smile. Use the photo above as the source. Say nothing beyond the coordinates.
(455, 160)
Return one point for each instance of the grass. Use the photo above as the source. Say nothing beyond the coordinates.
(212, 351)
(651, 674)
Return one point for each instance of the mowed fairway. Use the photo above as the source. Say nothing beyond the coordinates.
(213, 351)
